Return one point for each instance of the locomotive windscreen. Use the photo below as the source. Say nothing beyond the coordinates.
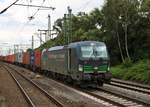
(94, 51)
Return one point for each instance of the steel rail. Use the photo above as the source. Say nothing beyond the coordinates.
(131, 84)
(124, 96)
(134, 88)
(109, 100)
(104, 99)
(30, 102)
(58, 103)
(88, 92)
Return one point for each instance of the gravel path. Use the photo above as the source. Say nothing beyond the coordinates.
(10, 94)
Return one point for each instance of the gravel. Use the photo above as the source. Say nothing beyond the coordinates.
(38, 98)
(70, 97)
(64, 94)
(2, 101)
(10, 94)
(127, 92)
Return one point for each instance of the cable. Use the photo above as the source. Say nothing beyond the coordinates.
(22, 28)
(32, 17)
(4, 10)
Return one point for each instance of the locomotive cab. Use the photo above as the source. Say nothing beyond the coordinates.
(84, 62)
(91, 61)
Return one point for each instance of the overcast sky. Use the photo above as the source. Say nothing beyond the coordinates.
(15, 27)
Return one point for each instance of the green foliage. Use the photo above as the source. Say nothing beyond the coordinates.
(105, 24)
(127, 63)
(29, 49)
(139, 72)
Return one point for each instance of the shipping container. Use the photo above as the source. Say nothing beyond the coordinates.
(8, 58)
(2, 58)
(44, 60)
(11, 58)
(26, 59)
(32, 58)
(19, 58)
(37, 55)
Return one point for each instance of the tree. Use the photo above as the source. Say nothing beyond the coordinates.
(112, 15)
(124, 25)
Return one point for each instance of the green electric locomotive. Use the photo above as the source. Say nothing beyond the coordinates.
(85, 62)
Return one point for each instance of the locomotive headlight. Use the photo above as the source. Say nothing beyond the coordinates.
(95, 68)
(80, 67)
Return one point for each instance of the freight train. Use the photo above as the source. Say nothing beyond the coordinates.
(83, 63)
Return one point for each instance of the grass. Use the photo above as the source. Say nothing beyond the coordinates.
(139, 71)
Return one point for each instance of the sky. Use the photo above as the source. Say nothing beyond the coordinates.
(15, 27)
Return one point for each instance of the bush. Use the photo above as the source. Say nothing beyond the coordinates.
(127, 63)
(139, 72)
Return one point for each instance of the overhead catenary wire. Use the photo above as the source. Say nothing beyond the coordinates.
(37, 11)
(29, 19)
(8, 7)
(22, 27)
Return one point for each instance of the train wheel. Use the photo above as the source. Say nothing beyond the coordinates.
(69, 80)
(100, 83)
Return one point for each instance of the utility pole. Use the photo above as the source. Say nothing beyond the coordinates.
(40, 38)
(65, 29)
(69, 25)
(17, 48)
(14, 49)
(49, 29)
(9, 51)
(45, 33)
(32, 42)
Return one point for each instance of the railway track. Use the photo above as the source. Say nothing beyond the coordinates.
(113, 99)
(106, 98)
(132, 86)
(128, 86)
(34, 95)
(123, 100)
